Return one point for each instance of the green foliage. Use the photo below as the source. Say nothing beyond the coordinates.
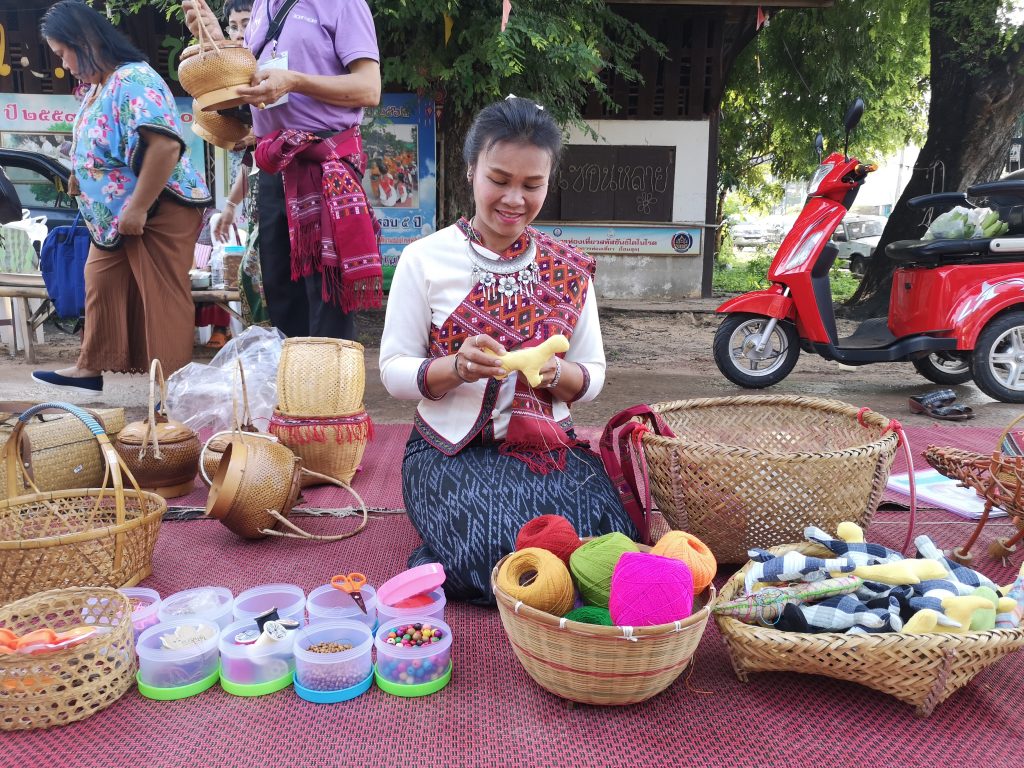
(732, 275)
(802, 72)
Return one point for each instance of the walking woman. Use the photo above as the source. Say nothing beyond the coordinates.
(140, 197)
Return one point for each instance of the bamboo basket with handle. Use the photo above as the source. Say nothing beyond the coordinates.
(212, 71)
(86, 536)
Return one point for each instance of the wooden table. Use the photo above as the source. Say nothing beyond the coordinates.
(20, 288)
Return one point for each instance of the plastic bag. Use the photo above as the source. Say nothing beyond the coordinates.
(964, 224)
(200, 394)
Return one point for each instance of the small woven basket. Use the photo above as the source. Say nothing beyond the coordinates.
(62, 452)
(43, 690)
(212, 71)
(75, 537)
(754, 471)
(319, 377)
(922, 670)
(997, 477)
(593, 664)
(331, 446)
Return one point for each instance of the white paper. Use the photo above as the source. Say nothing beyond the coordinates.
(943, 492)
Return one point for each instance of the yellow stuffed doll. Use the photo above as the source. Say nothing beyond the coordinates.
(530, 359)
(911, 571)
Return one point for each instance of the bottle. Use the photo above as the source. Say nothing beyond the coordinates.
(217, 267)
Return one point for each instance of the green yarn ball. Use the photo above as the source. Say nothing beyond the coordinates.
(594, 562)
(590, 614)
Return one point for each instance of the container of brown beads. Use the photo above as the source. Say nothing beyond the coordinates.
(333, 661)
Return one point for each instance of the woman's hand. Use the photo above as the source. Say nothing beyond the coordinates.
(248, 141)
(474, 362)
(132, 220)
(267, 86)
(223, 229)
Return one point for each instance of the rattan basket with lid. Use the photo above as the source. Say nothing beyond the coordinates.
(320, 377)
(161, 453)
(217, 129)
(212, 71)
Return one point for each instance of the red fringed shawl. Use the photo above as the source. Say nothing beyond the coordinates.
(331, 225)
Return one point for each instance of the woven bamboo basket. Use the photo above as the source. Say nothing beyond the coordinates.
(320, 377)
(217, 129)
(922, 670)
(69, 538)
(162, 454)
(255, 488)
(331, 446)
(212, 71)
(40, 691)
(62, 452)
(754, 471)
(593, 664)
(997, 477)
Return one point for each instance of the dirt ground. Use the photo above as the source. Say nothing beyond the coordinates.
(656, 353)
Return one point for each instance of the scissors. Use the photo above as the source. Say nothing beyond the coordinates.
(351, 583)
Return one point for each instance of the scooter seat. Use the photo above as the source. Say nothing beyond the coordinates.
(932, 253)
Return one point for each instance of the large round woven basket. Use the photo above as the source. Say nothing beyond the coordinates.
(754, 471)
(922, 670)
(593, 664)
(94, 536)
(320, 376)
(331, 446)
(42, 690)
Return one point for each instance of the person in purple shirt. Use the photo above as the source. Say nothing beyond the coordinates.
(316, 74)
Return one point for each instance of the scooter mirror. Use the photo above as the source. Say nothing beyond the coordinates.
(853, 114)
(819, 145)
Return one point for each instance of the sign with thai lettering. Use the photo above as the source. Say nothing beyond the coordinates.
(625, 239)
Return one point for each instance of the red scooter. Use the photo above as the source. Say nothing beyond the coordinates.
(956, 307)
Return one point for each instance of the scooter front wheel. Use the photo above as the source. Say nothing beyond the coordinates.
(739, 359)
(998, 358)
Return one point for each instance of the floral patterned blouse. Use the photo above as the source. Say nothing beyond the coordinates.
(108, 149)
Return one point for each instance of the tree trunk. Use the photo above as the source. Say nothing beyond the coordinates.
(971, 118)
(456, 198)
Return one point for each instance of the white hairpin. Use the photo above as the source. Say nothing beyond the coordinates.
(513, 96)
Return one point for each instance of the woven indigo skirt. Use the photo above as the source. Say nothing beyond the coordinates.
(469, 507)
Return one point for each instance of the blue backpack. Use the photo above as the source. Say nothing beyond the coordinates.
(62, 262)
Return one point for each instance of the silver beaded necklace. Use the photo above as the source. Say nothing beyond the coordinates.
(505, 278)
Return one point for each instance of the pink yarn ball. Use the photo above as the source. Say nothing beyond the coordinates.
(650, 589)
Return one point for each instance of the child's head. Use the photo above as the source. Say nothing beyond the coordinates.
(236, 14)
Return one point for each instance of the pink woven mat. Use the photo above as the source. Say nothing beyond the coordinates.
(492, 713)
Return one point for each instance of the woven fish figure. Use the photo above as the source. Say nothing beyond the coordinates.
(765, 606)
(862, 553)
(958, 573)
(791, 566)
(839, 614)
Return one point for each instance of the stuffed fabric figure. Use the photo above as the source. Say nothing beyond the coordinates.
(792, 566)
(839, 614)
(860, 552)
(1016, 593)
(959, 573)
(901, 571)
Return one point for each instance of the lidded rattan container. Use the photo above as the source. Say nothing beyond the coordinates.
(331, 446)
(320, 376)
(253, 481)
(217, 129)
(755, 471)
(212, 71)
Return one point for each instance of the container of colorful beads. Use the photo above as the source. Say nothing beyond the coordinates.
(288, 599)
(414, 656)
(328, 603)
(254, 663)
(333, 661)
(177, 659)
(429, 605)
(210, 603)
(144, 602)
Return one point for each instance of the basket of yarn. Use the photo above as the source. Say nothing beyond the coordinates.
(920, 669)
(755, 470)
(577, 651)
(65, 655)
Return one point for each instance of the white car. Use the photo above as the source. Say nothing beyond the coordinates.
(749, 234)
(856, 238)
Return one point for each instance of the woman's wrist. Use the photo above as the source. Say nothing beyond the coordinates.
(458, 373)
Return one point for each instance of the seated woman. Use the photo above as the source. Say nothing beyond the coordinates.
(488, 452)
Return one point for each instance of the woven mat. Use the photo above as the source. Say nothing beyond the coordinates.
(493, 713)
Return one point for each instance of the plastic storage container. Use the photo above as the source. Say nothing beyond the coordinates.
(166, 673)
(211, 603)
(288, 599)
(251, 670)
(434, 609)
(145, 603)
(413, 671)
(329, 604)
(331, 677)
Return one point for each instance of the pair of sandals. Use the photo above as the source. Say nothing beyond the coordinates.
(218, 339)
(940, 404)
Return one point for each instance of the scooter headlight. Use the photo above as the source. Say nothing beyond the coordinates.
(816, 179)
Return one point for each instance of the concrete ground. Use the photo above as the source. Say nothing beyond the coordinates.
(656, 352)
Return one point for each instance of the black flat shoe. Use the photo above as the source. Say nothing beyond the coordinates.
(90, 385)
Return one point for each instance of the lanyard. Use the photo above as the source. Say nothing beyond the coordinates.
(276, 25)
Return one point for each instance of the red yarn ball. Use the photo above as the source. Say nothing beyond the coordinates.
(551, 532)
